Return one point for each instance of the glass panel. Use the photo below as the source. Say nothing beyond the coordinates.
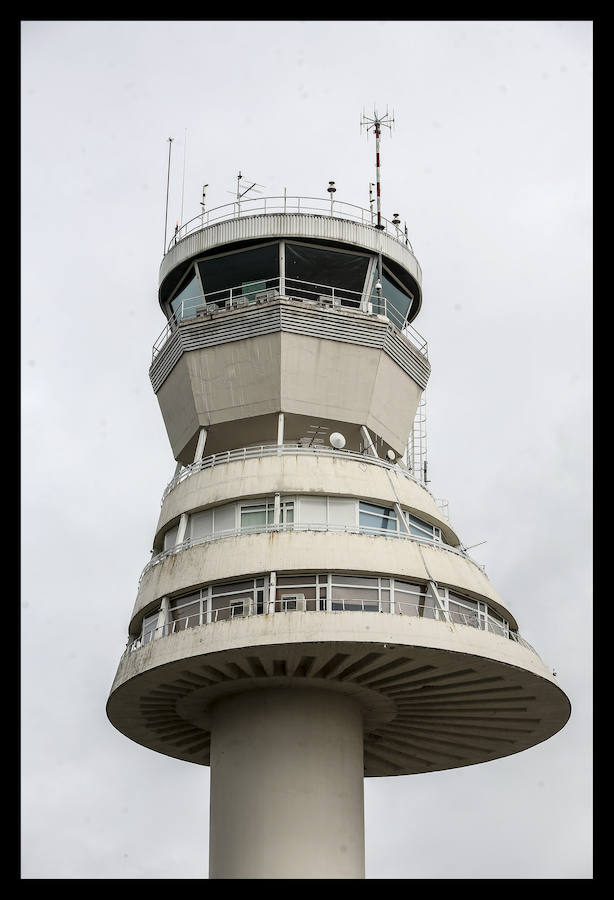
(296, 580)
(325, 269)
(385, 598)
(341, 511)
(309, 591)
(464, 601)
(248, 271)
(150, 622)
(187, 300)
(201, 524)
(379, 517)
(228, 605)
(179, 602)
(232, 587)
(355, 594)
(286, 512)
(463, 615)
(185, 616)
(224, 518)
(397, 302)
(253, 516)
(352, 580)
(313, 510)
(407, 586)
(287, 599)
(418, 527)
(495, 627)
(170, 538)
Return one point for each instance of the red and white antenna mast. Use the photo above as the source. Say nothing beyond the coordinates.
(376, 122)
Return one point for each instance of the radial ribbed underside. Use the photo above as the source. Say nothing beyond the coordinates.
(424, 709)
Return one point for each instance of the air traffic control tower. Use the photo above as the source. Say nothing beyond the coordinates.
(309, 617)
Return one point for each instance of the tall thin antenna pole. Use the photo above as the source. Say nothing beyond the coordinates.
(185, 143)
(376, 123)
(168, 179)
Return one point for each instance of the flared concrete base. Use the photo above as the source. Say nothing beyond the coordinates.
(287, 795)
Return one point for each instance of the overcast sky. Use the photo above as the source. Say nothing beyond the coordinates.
(490, 165)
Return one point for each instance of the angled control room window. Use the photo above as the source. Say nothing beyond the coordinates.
(311, 272)
(188, 298)
(243, 277)
(398, 300)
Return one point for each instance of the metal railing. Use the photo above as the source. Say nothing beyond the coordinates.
(307, 526)
(482, 622)
(310, 293)
(263, 450)
(317, 206)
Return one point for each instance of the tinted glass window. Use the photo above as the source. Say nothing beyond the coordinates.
(323, 269)
(248, 273)
(187, 300)
(397, 302)
(378, 517)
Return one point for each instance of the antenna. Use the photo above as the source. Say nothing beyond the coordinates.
(202, 203)
(168, 177)
(185, 144)
(241, 193)
(376, 122)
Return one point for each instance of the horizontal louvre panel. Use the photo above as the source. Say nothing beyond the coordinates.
(294, 318)
(410, 361)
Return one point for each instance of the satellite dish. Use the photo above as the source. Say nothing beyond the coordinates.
(391, 455)
(337, 440)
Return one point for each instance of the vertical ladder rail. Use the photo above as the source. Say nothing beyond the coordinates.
(416, 443)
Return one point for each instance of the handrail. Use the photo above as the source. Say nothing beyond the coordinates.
(337, 209)
(303, 526)
(482, 622)
(326, 296)
(264, 450)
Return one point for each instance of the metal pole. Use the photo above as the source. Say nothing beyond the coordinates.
(377, 175)
(185, 143)
(168, 177)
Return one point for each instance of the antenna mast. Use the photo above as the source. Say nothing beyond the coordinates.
(376, 123)
(168, 178)
(185, 143)
(242, 193)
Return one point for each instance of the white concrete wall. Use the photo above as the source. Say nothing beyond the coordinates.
(286, 785)
(332, 628)
(296, 374)
(332, 476)
(309, 551)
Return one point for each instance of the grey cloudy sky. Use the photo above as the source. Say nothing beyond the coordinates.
(490, 165)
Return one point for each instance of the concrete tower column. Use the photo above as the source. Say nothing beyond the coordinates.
(287, 785)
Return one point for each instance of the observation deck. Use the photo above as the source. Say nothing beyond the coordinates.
(306, 218)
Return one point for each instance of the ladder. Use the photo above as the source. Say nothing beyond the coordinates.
(416, 443)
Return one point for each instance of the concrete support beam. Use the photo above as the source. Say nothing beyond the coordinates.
(287, 785)
(183, 524)
(200, 445)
